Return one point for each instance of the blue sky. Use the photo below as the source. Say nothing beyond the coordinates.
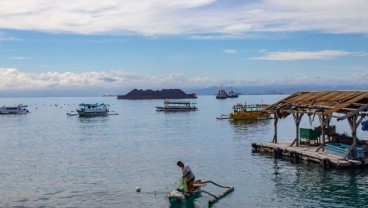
(121, 45)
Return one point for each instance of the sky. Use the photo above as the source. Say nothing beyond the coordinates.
(114, 46)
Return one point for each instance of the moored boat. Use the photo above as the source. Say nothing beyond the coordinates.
(182, 194)
(254, 111)
(179, 195)
(93, 109)
(221, 94)
(177, 106)
(232, 94)
(20, 109)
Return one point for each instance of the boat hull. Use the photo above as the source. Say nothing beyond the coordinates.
(12, 112)
(233, 96)
(94, 113)
(177, 197)
(249, 115)
(175, 109)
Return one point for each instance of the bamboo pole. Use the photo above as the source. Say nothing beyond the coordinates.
(221, 195)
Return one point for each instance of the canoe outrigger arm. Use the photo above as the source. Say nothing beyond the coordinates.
(228, 190)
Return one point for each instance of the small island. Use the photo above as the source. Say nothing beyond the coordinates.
(151, 94)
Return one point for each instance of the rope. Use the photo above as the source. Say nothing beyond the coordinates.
(216, 184)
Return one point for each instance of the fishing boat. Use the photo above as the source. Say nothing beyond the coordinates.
(221, 94)
(179, 195)
(232, 94)
(177, 106)
(93, 109)
(20, 109)
(254, 111)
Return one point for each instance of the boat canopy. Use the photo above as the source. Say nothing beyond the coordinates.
(91, 105)
(249, 108)
(341, 104)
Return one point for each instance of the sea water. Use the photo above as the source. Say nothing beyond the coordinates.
(49, 159)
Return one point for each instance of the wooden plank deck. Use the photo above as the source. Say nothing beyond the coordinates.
(308, 153)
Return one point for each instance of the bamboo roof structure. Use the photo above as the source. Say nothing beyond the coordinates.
(338, 104)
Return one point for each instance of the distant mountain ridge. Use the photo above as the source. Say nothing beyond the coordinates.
(245, 90)
(277, 89)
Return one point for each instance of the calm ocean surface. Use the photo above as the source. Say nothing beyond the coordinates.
(49, 159)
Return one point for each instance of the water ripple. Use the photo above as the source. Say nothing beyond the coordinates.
(51, 160)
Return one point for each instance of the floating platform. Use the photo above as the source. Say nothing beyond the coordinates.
(308, 153)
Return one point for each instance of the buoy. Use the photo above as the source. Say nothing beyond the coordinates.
(138, 189)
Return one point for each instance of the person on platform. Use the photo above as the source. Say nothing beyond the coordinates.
(187, 174)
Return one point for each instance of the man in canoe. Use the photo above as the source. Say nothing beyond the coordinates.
(187, 174)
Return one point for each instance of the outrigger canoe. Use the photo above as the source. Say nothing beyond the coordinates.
(179, 195)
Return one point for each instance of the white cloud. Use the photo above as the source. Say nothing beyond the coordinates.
(13, 79)
(305, 55)
(17, 58)
(4, 37)
(231, 51)
(195, 18)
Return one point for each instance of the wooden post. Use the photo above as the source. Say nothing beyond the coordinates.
(324, 121)
(327, 123)
(297, 118)
(275, 119)
(353, 123)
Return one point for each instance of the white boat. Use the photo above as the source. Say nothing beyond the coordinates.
(20, 109)
(93, 109)
(177, 106)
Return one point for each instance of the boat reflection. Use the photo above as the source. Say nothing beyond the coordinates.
(249, 123)
(253, 128)
(85, 119)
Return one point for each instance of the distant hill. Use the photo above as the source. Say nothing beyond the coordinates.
(151, 94)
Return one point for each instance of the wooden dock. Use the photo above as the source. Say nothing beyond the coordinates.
(307, 153)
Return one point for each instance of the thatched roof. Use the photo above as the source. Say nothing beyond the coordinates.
(339, 104)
